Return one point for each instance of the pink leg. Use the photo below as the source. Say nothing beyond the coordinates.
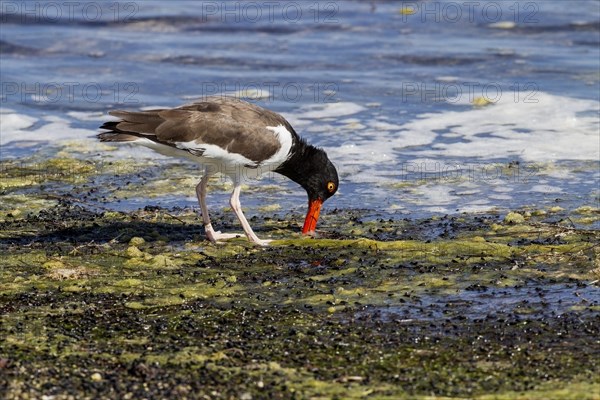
(237, 209)
(201, 190)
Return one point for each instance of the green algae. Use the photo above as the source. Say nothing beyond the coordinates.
(514, 218)
(134, 252)
(136, 241)
(29, 173)
(364, 311)
(587, 210)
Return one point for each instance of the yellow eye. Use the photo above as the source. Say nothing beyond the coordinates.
(331, 187)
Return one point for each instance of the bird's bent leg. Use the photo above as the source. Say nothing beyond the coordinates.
(237, 209)
(201, 190)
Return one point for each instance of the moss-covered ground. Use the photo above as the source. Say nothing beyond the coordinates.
(96, 303)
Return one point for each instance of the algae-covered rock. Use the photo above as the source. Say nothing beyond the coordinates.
(514, 218)
(73, 289)
(135, 305)
(54, 264)
(496, 227)
(14, 213)
(129, 283)
(134, 252)
(586, 220)
(587, 210)
(136, 241)
(269, 208)
(162, 260)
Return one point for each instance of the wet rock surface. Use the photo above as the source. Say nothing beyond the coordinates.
(98, 303)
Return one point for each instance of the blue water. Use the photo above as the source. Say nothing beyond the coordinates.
(395, 60)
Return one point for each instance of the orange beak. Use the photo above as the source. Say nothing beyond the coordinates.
(312, 216)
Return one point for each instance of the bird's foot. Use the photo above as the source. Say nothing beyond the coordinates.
(218, 236)
(254, 239)
(226, 236)
(215, 236)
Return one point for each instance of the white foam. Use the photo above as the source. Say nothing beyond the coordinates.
(448, 79)
(383, 125)
(13, 122)
(15, 127)
(436, 194)
(88, 116)
(500, 197)
(545, 189)
(475, 208)
(503, 189)
(556, 128)
(329, 110)
(550, 129)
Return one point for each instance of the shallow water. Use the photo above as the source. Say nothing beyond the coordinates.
(479, 302)
(386, 88)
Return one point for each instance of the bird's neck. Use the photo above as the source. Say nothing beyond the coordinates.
(298, 167)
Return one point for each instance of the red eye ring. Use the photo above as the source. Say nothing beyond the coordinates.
(330, 187)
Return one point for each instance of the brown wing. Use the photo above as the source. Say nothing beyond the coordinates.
(237, 126)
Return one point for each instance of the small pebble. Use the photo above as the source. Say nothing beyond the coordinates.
(96, 377)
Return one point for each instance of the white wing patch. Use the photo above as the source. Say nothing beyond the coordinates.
(215, 152)
(285, 138)
(165, 150)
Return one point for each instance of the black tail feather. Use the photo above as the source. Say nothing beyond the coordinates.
(111, 126)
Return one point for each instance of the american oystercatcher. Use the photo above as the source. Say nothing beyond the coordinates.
(236, 138)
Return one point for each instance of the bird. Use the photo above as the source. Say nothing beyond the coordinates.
(236, 138)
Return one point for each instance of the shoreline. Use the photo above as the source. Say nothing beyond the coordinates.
(138, 304)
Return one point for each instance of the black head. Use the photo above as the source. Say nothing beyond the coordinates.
(311, 168)
(322, 182)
